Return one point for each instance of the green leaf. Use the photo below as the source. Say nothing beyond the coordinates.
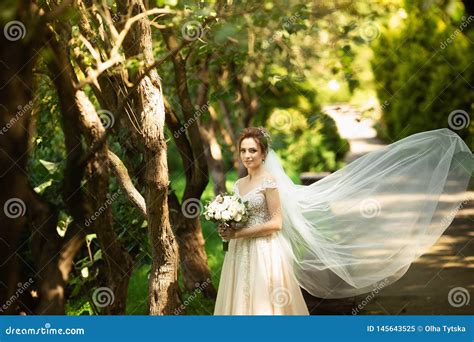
(98, 255)
(40, 188)
(50, 166)
(90, 237)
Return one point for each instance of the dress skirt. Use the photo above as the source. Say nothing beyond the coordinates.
(257, 279)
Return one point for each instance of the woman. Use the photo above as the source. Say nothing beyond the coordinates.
(256, 277)
(355, 231)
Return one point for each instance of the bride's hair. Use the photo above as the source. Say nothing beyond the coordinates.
(261, 136)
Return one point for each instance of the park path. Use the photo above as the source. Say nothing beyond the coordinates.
(447, 266)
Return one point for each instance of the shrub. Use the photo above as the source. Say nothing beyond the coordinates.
(423, 73)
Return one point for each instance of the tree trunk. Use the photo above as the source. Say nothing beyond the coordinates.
(99, 215)
(212, 149)
(119, 262)
(229, 134)
(148, 106)
(45, 247)
(193, 255)
(18, 55)
(214, 159)
(185, 218)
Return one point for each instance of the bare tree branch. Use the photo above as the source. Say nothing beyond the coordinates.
(115, 56)
(120, 170)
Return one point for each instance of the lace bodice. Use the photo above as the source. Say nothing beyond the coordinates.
(258, 210)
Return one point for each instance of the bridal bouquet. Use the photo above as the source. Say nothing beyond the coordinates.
(226, 209)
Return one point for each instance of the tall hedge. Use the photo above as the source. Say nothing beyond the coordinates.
(424, 71)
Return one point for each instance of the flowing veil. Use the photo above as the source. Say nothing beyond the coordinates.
(361, 227)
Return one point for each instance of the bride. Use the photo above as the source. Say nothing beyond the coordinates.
(354, 231)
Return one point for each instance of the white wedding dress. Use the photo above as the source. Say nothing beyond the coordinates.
(355, 231)
(257, 276)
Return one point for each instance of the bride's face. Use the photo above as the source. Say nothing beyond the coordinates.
(250, 153)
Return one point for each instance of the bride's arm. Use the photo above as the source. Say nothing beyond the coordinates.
(269, 227)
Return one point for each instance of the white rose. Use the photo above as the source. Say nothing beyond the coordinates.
(233, 211)
(226, 215)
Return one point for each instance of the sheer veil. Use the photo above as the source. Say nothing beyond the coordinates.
(361, 227)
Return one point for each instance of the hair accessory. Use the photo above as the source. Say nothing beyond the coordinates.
(267, 136)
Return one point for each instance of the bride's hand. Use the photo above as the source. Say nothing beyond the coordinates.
(226, 233)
